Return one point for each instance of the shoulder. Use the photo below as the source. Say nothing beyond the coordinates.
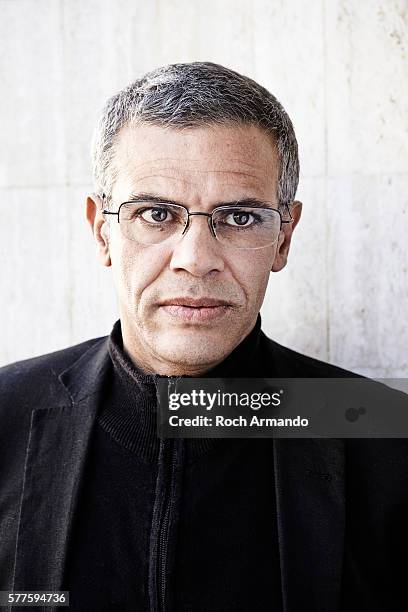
(38, 374)
(287, 362)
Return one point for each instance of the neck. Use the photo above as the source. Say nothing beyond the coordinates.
(155, 365)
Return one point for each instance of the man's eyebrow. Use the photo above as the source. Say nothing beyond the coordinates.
(150, 197)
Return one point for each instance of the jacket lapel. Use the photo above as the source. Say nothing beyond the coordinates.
(55, 456)
(310, 498)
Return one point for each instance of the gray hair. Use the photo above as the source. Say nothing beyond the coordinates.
(192, 95)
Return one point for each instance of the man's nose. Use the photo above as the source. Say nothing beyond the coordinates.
(197, 251)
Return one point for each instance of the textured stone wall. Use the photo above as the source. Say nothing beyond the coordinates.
(340, 68)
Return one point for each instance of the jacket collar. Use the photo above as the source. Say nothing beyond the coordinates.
(83, 378)
(309, 481)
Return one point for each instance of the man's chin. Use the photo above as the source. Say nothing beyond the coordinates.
(190, 349)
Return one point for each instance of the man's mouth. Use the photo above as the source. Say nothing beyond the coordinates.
(195, 310)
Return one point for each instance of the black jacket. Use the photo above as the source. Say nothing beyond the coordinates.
(341, 504)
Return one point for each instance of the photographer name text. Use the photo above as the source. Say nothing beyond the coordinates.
(239, 421)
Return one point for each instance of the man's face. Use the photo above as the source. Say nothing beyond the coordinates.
(200, 168)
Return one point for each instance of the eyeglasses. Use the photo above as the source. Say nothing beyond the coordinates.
(239, 226)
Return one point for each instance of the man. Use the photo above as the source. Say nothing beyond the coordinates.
(196, 170)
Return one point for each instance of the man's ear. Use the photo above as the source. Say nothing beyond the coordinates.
(99, 227)
(285, 237)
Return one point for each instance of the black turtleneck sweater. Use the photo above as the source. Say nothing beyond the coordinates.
(175, 525)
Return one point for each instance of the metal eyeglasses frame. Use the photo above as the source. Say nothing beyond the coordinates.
(203, 214)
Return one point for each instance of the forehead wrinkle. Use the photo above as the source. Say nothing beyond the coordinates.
(185, 165)
(239, 160)
(234, 172)
(249, 164)
(246, 184)
(177, 179)
(199, 171)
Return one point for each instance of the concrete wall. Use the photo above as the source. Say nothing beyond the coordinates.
(340, 68)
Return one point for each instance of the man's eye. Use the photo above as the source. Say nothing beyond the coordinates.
(155, 215)
(239, 218)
